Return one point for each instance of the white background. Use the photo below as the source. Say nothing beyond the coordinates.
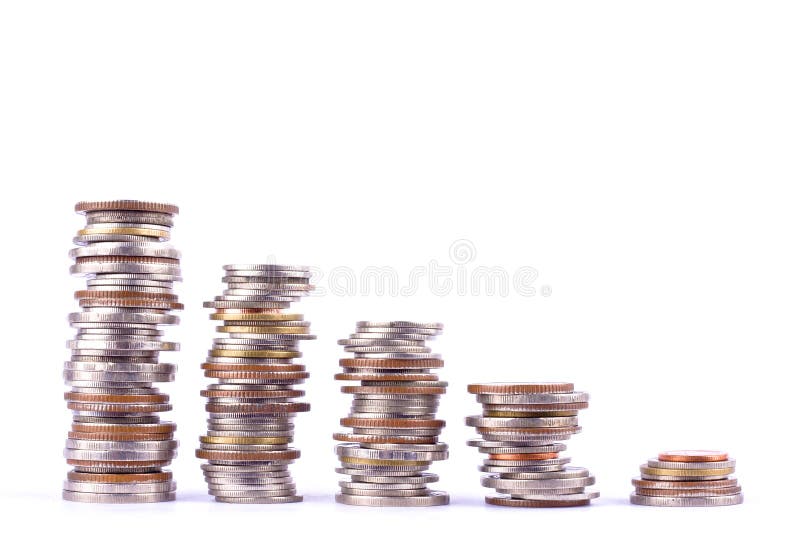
(642, 156)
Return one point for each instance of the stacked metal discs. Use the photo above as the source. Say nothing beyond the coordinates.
(118, 445)
(252, 406)
(688, 478)
(394, 435)
(522, 427)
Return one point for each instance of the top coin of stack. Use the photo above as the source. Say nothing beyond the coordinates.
(522, 425)
(252, 405)
(118, 445)
(394, 429)
(687, 478)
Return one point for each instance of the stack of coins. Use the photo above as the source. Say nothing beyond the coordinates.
(252, 405)
(687, 478)
(118, 444)
(522, 427)
(395, 432)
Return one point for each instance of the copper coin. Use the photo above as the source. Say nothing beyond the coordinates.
(357, 422)
(366, 438)
(525, 456)
(248, 456)
(252, 393)
(125, 205)
(391, 363)
(393, 390)
(120, 478)
(153, 428)
(130, 399)
(693, 456)
(512, 388)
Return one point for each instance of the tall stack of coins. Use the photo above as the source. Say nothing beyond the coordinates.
(522, 427)
(252, 406)
(395, 432)
(687, 478)
(118, 444)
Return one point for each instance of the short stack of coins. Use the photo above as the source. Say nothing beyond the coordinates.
(394, 436)
(252, 406)
(118, 445)
(687, 478)
(522, 427)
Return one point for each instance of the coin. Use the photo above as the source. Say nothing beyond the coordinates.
(394, 436)
(693, 456)
(719, 500)
(117, 443)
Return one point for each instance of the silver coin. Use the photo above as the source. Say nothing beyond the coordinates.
(254, 493)
(99, 445)
(555, 447)
(435, 498)
(240, 469)
(520, 469)
(122, 345)
(119, 456)
(129, 217)
(408, 330)
(267, 267)
(123, 318)
(398, 479)
(116, 391)
(424, 415)
(534, 398)
(505, 485)
(526, 463)
(126, 248)
(386, 492)
(374, 486)
(398, 324)
(125, 267)
(397, 431)
(140, 420)
(87, 487)
(223, 304)
(260, 500)
(566, 472)
(681, 478)
(720, 500)
(538, 494)
(521, 422)
(530, 440)
(378, 471)
(727, 464)
(117, 498)
(414, 469)
(365, 345)
(158, 368)
(243, 448)
(106, 377)
(419, 338)
(398, 355)
(355, 451)
(247, 479)
(430, 447)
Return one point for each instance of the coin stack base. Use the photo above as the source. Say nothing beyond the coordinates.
(118, 445)
(394, 436)
(253, 404)
(687, 478)
(522, 426)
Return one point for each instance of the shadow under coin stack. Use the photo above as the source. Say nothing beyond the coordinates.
(395, 432)
(687, 478)
(118, 444)
(252, 406)
(522, 427)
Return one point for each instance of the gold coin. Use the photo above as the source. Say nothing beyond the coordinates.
(149, 232)
(264, 329)
(225, 353)
(235, 440)
(685, 472)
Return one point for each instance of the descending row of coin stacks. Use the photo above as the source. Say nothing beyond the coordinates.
(522, 427)
(252, 406)
(118, 445)
(395, 432)
(687, 478)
